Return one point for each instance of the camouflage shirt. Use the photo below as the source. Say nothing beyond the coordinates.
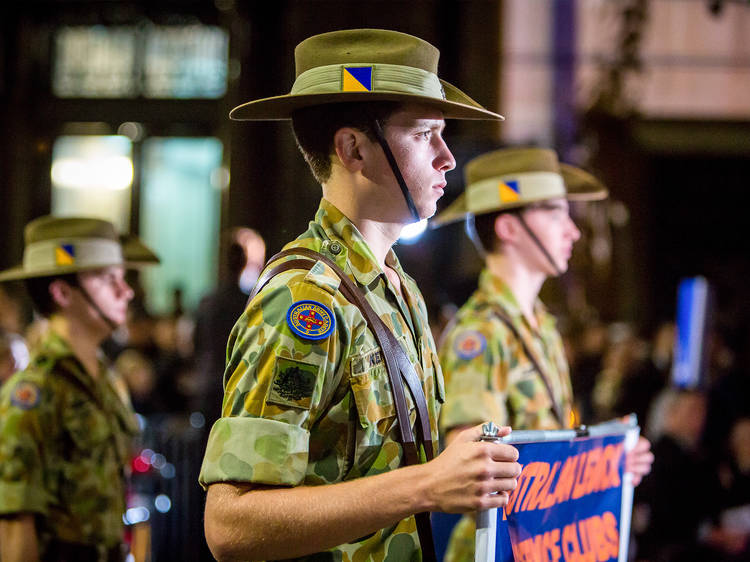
(489, 376)
(307, 399)
(65, 438)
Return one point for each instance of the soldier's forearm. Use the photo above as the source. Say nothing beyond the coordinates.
(18, 541)
(244, 523)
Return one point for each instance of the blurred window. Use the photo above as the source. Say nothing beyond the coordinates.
(95, 62)
(179, 218)
(92, 176)
(186, 62)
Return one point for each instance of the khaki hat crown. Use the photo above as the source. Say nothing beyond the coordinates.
(361, 65)
(512, 178)
(62, 245)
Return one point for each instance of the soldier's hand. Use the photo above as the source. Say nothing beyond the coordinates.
(472, 475)
(639, 459)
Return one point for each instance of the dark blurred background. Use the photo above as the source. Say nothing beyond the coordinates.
(119, 110)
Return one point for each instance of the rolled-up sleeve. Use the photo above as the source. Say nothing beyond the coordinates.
(262, 451)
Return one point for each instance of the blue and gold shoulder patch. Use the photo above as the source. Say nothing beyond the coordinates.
(310, 320)
(25, 395)
(469, 344)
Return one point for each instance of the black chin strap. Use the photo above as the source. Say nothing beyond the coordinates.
(539, 244)
(98, 310)
(378, 130)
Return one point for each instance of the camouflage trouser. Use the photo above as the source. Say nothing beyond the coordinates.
(461, 544)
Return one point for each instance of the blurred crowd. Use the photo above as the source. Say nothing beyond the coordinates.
(173, 366)
(695, 505)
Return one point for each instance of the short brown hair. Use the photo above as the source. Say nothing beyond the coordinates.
(484, 225)
(38, 290)
(315, 126)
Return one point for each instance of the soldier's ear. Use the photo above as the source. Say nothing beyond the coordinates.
(347, 143)
(61, 293)
(506, 227)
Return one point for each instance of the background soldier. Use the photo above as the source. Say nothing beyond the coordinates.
(66, 425)
(502, 355)
(307, 457)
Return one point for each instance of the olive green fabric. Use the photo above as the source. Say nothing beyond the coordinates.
(403, 68)
(65, 439)
(489, 376)
(309, 412)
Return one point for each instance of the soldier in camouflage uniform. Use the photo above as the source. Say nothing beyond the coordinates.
(66, 424)
(502, 355)
(306, 461)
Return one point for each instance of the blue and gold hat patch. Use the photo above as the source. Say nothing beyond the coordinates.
(25, 395)
(469, 344)
(310, 320)
(509, 191)
(65, 254)
(356, 79)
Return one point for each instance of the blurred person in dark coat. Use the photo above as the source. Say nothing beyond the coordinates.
(219, 310)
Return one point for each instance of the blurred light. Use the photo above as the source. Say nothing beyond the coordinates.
(140, 464)
(141, 422)
(168, 470)
(136, 515)
(93, 172)
(162, 503)
(618, 213)
(220, 178)
(412, 232)
(132, 130)
(197, 420)
(158, 461)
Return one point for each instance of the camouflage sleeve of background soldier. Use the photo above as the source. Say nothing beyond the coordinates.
(26, 412)
(471, 356)
(279, 383)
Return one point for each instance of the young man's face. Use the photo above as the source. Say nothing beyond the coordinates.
(109, 290)
(415, 136)
(551, 222)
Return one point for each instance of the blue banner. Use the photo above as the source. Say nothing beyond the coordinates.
(567, 505)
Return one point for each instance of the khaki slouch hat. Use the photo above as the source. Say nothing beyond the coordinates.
(62, 245)
(512, 178)
(363, 65)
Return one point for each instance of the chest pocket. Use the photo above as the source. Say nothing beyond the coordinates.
(371, 388)
(372, 392)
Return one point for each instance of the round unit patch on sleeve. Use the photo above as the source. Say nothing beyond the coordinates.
(469, 344)
(25, 395)
(310, 320)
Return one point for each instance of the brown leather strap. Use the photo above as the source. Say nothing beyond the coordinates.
(270, 274)
(537, 365)
(397, 363)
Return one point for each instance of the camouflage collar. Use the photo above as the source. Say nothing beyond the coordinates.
(361, 260)
(54, 346)
(497, 291)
